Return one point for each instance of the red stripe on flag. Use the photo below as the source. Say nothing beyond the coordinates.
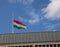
(19, 22)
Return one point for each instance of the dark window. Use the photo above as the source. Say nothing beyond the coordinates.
(27, 45)
(36, 45)
(54, 45)
(12, 46)
(39, 45)
(43, 45)
(58, 45)
(47, 45)
(51, 45)
(30, 45)
(16, 46)
(19, 46)
(23, 46)
(9, 46)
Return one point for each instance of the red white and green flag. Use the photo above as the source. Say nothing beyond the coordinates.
(19, 24)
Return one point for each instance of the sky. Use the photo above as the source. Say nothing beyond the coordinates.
(37, 15)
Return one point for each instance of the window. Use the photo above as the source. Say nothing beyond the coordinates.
(51, 45)
(23, 46)
(30, 45)
(27, 45)
(16, 46)
(10, 46)
(43, 45)
(39, 45)
(19, 46)
(54, 45)
(36, 45)
(47, 45)
(58, 45)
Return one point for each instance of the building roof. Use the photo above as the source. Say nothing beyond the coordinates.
(30, 37)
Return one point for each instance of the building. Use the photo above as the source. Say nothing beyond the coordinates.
(37, 39)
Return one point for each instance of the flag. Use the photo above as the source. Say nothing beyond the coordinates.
(19, 24)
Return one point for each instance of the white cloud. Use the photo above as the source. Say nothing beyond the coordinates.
(34, 17)
(33, 21)
(52, 10)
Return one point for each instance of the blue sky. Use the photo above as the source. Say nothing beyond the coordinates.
(38, 15)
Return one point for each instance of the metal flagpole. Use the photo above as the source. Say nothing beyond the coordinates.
(12, 22)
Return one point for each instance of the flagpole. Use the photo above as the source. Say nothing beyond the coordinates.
(12, 22)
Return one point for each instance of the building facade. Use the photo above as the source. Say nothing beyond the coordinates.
(37, 39)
